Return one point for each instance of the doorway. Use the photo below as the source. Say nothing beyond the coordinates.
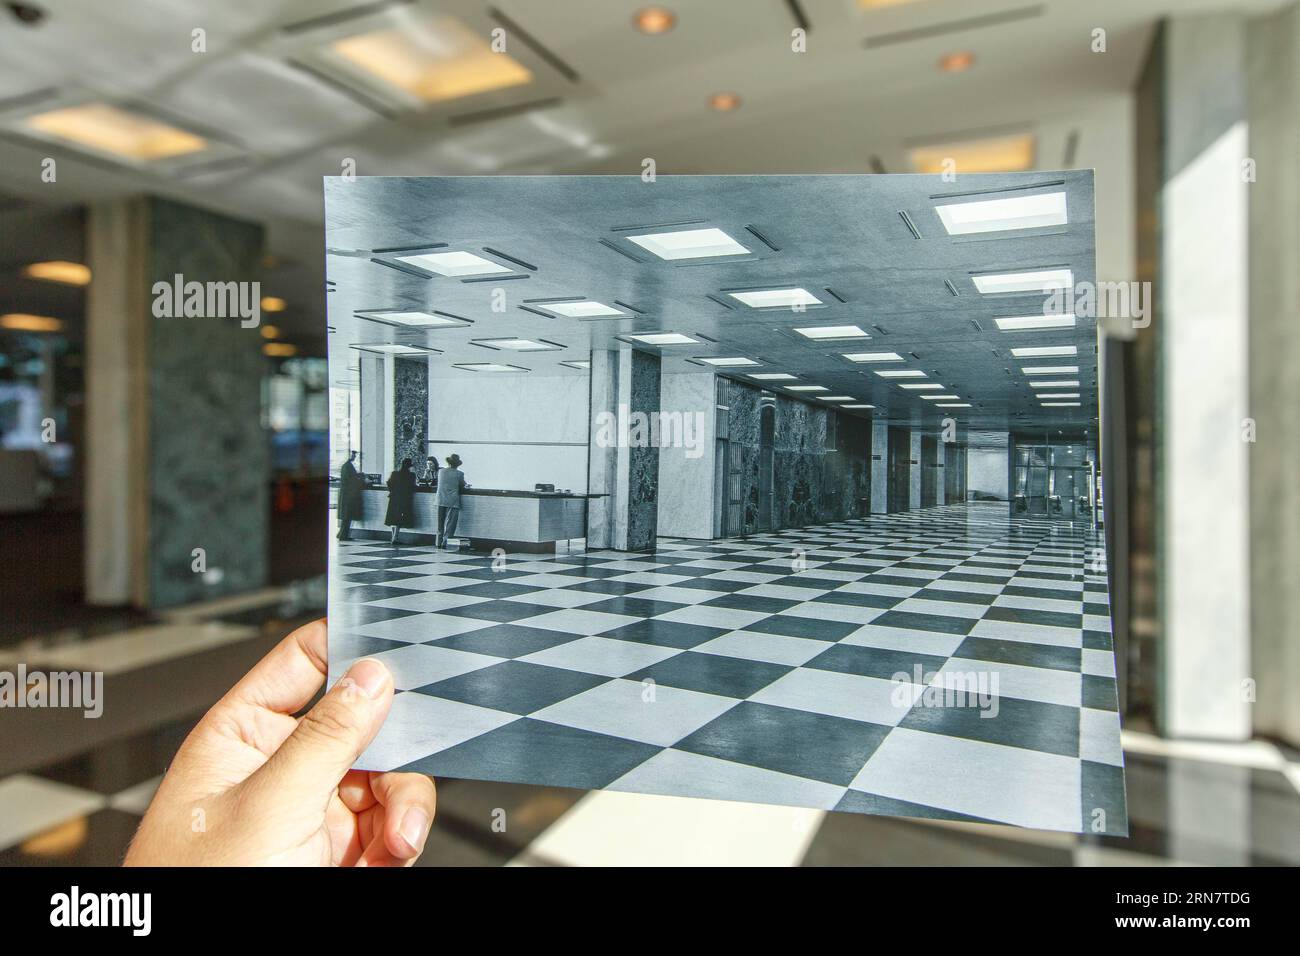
(766, 441)
(898, 487)
(929, 471)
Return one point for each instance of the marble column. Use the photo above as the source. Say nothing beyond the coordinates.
(686, 466)
(879, 467)
(411, 411)
(623, 462)
(375, 435)
(914, 462)
(178, 466)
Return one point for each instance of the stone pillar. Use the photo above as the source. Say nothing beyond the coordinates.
(914, 463)
(879, 467)
(1201, 329)
(177, 460)
(1274, 65)
(623, 463)
(411, 410)
(375, 434)
(686, 457)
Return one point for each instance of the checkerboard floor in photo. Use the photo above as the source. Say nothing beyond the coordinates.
(951, 663)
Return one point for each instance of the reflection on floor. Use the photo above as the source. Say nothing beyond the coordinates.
(74, 796)
(950, 663)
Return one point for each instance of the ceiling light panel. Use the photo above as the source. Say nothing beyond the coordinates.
(818, 333)
(414, 318)
(954, 405)
(784, 298)
(773, 376)
(60, 271)
(396, 348)
(1051, 370)
(1038, 280)
(999, 154)
(807, 388)
(873, 356)
(1032, 323)
(488, 367)
(688, 244)
(456, 264)
(857, 406)
(517, 345)
(1061, 405)
(936, 398)
(586, 309)
(1059, 384)
(664, 338)
(920, 386)
(1045, 351)
(998, 215)
(900, 373)
(728, 361)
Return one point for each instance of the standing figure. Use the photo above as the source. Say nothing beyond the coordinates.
(349, 497)
(450, 483)
(401, 499)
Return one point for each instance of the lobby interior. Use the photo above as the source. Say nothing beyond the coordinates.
(1062, 536)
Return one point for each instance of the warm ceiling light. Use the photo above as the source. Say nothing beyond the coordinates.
(807, 388)
(488, 367)
(773, 376)
(729, 362)
(1029, 323)
(833, 332)
(776, 298)
(1051, 370)
(654, 20)
(67, 273)
(279, 349)
(1003, 154)
(24, 322)
(664, 338)
(690, 244)
(270, 331)
(1063, 383)
(416, 319)
(586, 309)
(271, 303)
(117, 132)
(920, 386)
(873, 356)
(455, 264)
(433, 61)
(724, 102)
(1045, 351)
(958, 61)
(900, 373)
(518, 345)
(997, 215)
(1039, 280)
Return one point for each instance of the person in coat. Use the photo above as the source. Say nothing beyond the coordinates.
(401, 499)
(349, 497)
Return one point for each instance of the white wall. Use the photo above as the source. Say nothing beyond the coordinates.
(686, 475)
(987, 468)
(513, 431)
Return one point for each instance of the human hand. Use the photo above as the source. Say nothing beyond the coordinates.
(254, 785)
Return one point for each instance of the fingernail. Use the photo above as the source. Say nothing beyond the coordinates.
(415, 825)
(369, 675)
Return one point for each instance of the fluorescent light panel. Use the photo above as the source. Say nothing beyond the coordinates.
(117, 132)
(1051, 370)
(729, 361)
(1045, 351)
(773, 376)
(518, 345)
(1060, 404)
(415, 319)
(900, 373)
(836, 398)
(1040, 280)
(786, 298)
(1073, 383)
(1031, 323)
(690, 244)
(997, 215)
(935, 398)
(455, 264)
(807, 388)
(664, 338)
(586, 309)
(872, 356)
(396, 348)
(954, 405)
(488, 367)
(857, 406)
(833, 332)
(926, 387)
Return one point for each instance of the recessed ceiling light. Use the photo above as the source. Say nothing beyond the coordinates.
(664, 338)
(1060, 404)
(724, 102)
(518, 345)
(586, 309)
(279, 349)
(957, 62)
(1046, 395)
(936, 398)
(996, 215)
(872, 356)
(773, 376)
(954, 405)
(1029, 323)
(857, 406)
(690, 244)
(728, 361)
(273, 303)
(455, 264)
(1062, 383)
(1039, 280)
(66, 273)
(900, 373)
(413, 318)
(999, 154)
(431, 60)
(25, 322)
(117, 132)
(396, 348)
(776, 298)
(1051, 370)
(920, 386)
(488, 367)
(582, 364)
(270, 331)
(1045, 351)
(833, 332)
(654, 20)
(807, 388)
(836, 398)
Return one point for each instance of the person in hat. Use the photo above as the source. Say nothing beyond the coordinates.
(450, 483)
(401, 499)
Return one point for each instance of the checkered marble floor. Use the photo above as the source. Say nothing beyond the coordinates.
(829, 667)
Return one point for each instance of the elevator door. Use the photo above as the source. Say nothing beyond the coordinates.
(929, 471)
(767, 433)
(899, 485)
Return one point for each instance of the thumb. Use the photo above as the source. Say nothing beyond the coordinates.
(330, 737)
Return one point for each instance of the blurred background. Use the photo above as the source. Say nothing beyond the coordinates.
(146, 138)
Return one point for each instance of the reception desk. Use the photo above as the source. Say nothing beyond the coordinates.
(489, 517)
